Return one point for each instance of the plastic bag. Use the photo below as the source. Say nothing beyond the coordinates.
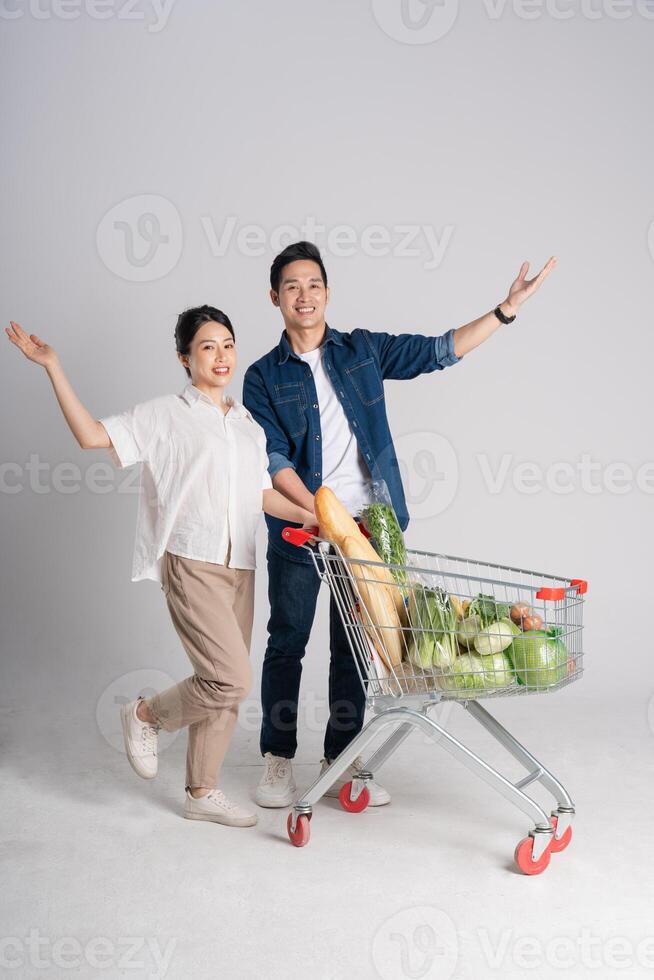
(380, 521)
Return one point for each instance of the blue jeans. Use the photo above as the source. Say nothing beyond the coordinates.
(292, 592)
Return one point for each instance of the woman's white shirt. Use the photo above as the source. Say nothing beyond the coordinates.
(202, 479)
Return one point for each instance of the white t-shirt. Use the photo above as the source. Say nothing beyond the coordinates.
(201, 482)
(343, 467)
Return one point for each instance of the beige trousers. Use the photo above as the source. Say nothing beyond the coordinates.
(211, 607)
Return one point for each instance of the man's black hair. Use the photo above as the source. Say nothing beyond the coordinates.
(292, 253)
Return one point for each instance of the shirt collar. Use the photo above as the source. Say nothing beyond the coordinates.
(285, 350)
(193, 396)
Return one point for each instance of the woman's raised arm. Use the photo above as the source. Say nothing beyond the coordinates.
(89, 433)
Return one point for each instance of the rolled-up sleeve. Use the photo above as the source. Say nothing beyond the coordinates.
(405, 356)
(257, 402)
(130, 434)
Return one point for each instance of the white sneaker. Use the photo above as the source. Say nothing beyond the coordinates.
(378, 795)
(140, 741)
(216, 807)
(277, 787)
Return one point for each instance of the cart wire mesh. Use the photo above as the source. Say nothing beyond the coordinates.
(456, 628)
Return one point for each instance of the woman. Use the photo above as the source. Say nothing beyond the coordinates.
(204, 482)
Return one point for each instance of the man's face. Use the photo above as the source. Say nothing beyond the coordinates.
(302, 295)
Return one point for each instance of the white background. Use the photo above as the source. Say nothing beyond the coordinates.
(518, 134)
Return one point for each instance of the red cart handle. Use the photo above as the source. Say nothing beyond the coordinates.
(298, 536)
(549, 595)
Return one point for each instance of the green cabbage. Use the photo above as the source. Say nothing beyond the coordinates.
(494, 639)
(540, 657)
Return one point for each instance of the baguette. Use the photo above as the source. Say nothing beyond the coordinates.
(334, 519)
(378, 610)
(336, 524)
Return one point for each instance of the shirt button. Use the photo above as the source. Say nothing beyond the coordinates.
(315, 406)
(354, 424)
(342, 395)
(316, 474)
(317, 437)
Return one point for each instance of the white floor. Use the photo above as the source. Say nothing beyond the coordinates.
(103, 878)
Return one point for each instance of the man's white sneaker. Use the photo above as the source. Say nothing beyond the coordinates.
(140, 741)
(277, 787)
(378, 795)
(216, 807)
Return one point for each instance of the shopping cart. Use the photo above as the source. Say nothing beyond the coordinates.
(462, 630)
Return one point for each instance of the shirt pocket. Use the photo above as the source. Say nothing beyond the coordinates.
(367, 381)
(290, 407)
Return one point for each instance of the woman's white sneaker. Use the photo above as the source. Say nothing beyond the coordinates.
(216, 807)
(141, 738)
(378, 795)
(277, 787)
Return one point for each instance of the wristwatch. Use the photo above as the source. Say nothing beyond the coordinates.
(502, 317)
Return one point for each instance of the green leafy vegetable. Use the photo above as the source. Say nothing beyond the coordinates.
(434, 624)
(488, 609)
(471, 672)
(387, 538)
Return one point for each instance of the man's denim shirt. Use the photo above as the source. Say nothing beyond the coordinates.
(280, 392)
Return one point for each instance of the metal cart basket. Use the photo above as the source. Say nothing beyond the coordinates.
(442, 628)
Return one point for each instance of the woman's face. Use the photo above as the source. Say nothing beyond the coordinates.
(212, 358)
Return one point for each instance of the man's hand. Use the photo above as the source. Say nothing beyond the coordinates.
(522, 288)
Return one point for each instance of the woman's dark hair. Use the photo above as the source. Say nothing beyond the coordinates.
(190, 321)
(299, 250)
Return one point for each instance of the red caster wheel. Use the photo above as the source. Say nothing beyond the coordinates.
(524, 860)
(562, 842)
(354, 806)
(300, 836)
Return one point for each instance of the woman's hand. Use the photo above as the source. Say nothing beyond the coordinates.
(275, 504)
(522, 288)
(89, 433)
(32, 346)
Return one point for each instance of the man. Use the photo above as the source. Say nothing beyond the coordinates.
(319, 396)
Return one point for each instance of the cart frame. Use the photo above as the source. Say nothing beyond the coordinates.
(549, 833)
